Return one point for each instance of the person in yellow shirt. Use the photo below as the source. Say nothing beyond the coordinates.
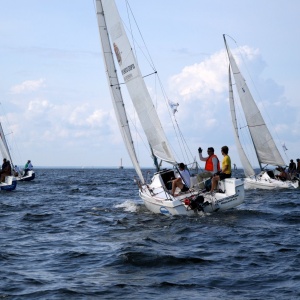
(226, 169)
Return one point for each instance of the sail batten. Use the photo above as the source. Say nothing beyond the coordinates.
(265, 147)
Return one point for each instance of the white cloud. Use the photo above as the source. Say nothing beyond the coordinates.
(28, 86)
(201, 80)
(38, 106)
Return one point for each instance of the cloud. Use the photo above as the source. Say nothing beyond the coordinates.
(28, 86)
(38, 107)
(200, 80)
(201, 90)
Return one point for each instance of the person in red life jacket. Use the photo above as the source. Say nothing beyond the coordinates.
(226, 169)
(212, 165)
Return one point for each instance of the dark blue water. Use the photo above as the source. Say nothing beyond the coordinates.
(85, 234)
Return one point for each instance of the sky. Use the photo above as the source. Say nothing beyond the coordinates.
(55, 102)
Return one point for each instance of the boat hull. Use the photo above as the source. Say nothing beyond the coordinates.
(10, 184)
(264, 181)
(158, 199)
(30, 176)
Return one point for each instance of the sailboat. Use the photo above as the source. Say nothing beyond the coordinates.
(30, 175)
(156, 194)
(121, 166)
(265, 148)
(10, 182)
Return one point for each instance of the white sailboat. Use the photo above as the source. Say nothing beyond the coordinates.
(26, 176)
(10, 182)
(265, 148)
(155, 194)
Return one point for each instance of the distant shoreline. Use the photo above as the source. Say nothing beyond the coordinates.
(87, 167)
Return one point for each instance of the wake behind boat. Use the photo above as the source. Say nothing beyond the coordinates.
(156, 194)
(265, 148)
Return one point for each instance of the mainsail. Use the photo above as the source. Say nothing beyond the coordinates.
(266, 150)
(248, 170)
(135, 84)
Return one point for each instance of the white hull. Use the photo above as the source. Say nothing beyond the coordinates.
(158, 199)
(9, 184)
(29, 176)
(264, 181)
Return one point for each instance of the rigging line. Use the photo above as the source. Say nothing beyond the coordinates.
(121, 83)
(149, 59)
(155, 88)
(173, 120)
(153, 66)
(155, 72)
(183, 139)
(131, 31)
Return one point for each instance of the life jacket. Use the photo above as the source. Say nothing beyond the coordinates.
(209, 166)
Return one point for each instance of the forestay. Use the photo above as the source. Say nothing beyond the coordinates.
(135, 83)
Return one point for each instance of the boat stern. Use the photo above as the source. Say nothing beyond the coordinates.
(9, 184)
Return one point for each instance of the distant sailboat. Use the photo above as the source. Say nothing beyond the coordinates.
(121, 166)
(265, 148)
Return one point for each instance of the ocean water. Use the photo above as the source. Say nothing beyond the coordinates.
(85, 234)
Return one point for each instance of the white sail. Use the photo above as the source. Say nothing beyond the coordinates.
(248, 170)
(3, 146)
(266, 150)
(135, 84)
(116, 94)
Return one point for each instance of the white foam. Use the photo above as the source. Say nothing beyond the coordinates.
(128, 205)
